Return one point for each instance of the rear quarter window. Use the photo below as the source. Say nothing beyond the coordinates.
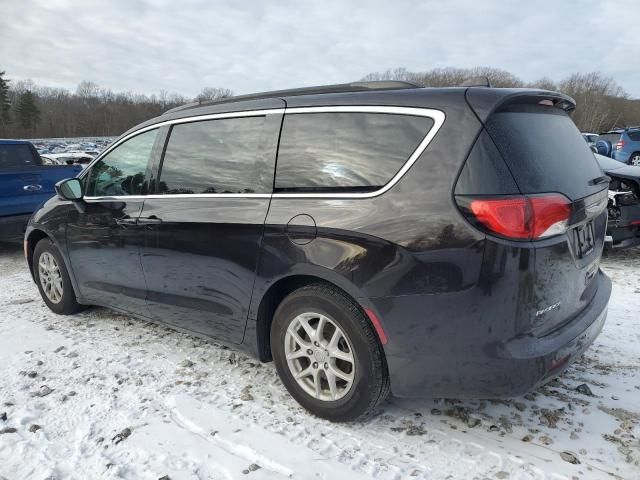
(544, 151)
(345, 151)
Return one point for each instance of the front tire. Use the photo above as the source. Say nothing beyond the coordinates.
(52, 278)
(328, 355)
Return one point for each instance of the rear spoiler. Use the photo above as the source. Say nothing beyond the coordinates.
(485, 101)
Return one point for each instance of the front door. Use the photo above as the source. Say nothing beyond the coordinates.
(205, 222)
(104, 240)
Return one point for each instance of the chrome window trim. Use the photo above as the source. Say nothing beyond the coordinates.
(198, 118)
(437, 116)
(116, 198)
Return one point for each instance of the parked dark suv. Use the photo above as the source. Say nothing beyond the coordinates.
(366, 237)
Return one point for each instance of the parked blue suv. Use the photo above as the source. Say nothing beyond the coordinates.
(621, 144)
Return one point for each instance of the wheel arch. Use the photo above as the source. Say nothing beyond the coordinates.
(276, 293)
(32, 238)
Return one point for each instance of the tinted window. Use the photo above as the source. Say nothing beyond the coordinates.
(610, 137)
(634, 136)
(352, 151)
(215, 156)
(544, 151)
(122, 171)
(485, 172)
(16, 156)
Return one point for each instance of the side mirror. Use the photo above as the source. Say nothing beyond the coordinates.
(69, 189)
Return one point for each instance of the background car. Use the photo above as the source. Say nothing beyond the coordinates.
(51, 160)
(70, 158)
(621, 144)
(25, 183)
(623, 228)
(590, 138)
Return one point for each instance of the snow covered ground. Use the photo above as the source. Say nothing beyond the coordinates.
(101, 395)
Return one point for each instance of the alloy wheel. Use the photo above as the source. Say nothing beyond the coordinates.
(50, 277)
(319, 356)
(635, 160)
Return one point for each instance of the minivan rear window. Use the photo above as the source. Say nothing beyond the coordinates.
(345, 151)
(17, 156)
(544, 151)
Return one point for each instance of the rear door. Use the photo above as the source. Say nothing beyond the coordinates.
(546, 154)
(205, 222)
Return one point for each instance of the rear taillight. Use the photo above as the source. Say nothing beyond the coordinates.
(620, 145)
(522, 217)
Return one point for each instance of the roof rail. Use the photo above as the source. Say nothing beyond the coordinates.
(480, 81)
(318, 90)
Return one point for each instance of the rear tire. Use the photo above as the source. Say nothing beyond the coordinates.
(52, 278)
(341, 368)
(634, 159)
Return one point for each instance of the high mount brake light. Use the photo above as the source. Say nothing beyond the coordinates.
(523, 217)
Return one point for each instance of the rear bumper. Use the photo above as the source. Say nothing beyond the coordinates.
(460, 357)
(621, 156)
(12, 228)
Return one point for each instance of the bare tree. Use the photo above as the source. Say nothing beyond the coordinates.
(91, 110)
(88, 111)
(594, 94)
(212, 93)
(601, 103)
(87, 89)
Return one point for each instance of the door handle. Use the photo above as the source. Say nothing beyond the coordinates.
(32, 188)
(151, 220)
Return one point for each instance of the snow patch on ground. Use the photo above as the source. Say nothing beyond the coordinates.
(114, 397)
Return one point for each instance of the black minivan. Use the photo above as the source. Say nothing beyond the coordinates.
(367, 237)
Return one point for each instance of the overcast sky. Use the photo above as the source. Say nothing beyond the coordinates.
(245, 45)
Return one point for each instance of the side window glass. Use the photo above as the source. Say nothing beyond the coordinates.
(122, 171)
(215, 156)
(345, 151)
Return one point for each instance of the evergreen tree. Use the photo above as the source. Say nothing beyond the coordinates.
(27, 112)
(5, 103)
